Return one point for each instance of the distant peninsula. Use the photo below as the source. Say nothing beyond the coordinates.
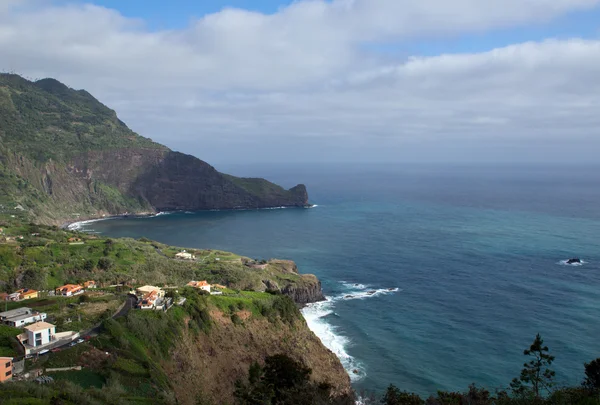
(66, 156)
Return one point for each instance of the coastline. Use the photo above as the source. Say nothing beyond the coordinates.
(73, 224)
(314, 313)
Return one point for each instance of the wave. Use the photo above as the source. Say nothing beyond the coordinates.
(158, 214)
(315, 315)
(368, 294)
(316, 318)
(566, 263)
(79, 225)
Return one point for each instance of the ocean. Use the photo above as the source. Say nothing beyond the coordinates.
(436, 276)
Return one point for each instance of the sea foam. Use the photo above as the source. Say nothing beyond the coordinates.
(79, 225)
(316, 315)
(565, 263)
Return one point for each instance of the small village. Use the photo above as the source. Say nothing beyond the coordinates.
(39, 336)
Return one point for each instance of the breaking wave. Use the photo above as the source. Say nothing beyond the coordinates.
(79, 225)
(316, 315)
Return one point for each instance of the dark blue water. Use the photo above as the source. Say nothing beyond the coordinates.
(473, 252)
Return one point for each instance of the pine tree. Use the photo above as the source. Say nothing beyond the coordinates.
(592, 375)
(536, 375)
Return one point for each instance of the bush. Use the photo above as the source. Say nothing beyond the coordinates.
(236, 319)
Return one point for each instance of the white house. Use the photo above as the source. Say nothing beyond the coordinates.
(202, 285)
(40, 334)
(69, 290)
(141, 291)
(185, 255)
(22, 316)
(13, 312)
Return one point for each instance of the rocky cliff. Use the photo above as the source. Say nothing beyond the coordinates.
(63, 154)
(209, 364)
(283, 276)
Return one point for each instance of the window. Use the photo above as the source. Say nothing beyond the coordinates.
(8, 373)
(7, 365)
(38, 339)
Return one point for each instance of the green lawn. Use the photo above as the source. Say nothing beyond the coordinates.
(83, 378)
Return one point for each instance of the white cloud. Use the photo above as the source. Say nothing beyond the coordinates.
(302, 77)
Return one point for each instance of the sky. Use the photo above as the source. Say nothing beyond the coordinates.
(385, 81)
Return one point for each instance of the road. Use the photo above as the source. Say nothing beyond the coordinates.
(130, 303)
(128, 306)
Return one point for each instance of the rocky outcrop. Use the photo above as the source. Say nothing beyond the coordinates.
(307, 291)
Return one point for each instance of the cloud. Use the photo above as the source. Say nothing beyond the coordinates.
(302, 78)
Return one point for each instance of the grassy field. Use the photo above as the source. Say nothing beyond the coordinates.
(45, 259)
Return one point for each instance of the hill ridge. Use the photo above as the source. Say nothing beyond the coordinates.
(64, 152)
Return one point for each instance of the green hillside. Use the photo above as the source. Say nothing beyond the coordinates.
(65, 155)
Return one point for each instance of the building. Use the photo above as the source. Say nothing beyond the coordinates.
(202, 285)
(90, 284)
(6, 369)
(20, 317)
(185, 255)
(14, 297)
(69, 290)
(142, 291)
(40, 334)
(4, 296)
(27, 293)
(149, 300)
(12, 313)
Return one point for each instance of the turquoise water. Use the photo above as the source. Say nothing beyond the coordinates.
(472, 256)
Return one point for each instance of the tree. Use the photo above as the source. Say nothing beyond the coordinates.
(536, 375)
(284, 381)
(592, 375)
(393, 396)
(105, 263)
(89, 265)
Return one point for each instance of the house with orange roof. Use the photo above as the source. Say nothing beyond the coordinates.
(148, 300)
(27, 293)
(69, 290)
(90, 284)
(202, 285)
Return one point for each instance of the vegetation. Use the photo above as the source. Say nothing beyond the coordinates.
(283, 380)
(45, 259)
(8, 341)
(64, 155)
(534, 386)
(536, 375)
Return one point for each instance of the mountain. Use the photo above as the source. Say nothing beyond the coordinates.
(65, 155)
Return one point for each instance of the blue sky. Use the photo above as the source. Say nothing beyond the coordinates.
(176, 14)
(342, 80)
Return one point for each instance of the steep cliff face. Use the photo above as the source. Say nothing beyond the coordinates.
(283, 276)
(208, 365)
(63, 153)
(309, 290)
